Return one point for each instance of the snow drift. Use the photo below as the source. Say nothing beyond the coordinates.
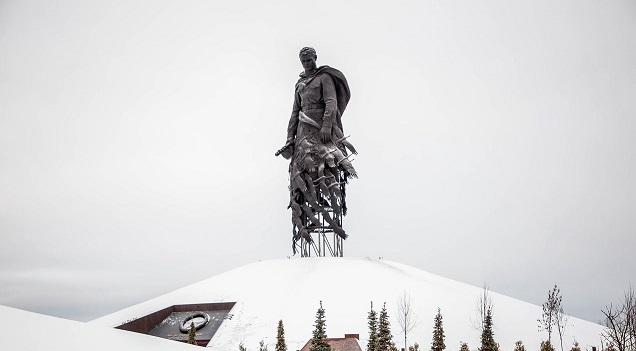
(27, 331)
(290, 290)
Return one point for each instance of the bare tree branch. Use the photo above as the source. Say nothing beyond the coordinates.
(620, 323)
(550, 314)
(561, 322)
(482, 306)
(406, 316)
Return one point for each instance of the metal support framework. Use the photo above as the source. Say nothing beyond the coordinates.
(325, 242)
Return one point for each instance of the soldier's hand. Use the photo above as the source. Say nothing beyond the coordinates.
(286, 150)
(282, 149)
(325, 134)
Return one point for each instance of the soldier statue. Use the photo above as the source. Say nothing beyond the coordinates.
(318, 151)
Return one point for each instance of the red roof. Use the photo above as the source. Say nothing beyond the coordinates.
(348, 343)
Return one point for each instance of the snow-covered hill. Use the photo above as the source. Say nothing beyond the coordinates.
(290, 289)
(26, 331)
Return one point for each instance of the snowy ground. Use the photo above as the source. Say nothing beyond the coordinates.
(27, 331)
(290, 289)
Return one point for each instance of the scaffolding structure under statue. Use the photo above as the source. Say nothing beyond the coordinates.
(325, 242)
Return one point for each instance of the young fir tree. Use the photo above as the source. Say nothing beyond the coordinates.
(318, 340)
(385, 339)
(464, 347)
(438, 333)
(546, 346)
(373, 330)
(280, 337)
(487, 336)
(519, 346)
(242, 347)
(576, 346)
(415, 347)
(262, 346)
(192, 334)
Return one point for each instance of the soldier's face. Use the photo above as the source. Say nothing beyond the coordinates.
(308, 61)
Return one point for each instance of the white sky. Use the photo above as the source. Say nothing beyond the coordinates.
(496, 143)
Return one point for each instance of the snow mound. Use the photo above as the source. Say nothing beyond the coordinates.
(290, 290)
(28, 331)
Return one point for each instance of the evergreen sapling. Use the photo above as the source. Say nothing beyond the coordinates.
(192, 334)
(438, 333)
(372, 345)
(385, 338)
(546, 346)
(487, 336)
(280, 337)
(318, 340)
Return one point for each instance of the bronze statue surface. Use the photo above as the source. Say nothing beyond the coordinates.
(318, 149)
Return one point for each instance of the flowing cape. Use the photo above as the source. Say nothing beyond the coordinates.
(343, 94)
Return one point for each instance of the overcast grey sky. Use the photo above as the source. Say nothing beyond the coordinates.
(497, 143)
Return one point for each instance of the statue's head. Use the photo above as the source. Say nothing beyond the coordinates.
(308, 58)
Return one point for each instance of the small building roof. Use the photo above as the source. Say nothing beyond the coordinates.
(348, 343)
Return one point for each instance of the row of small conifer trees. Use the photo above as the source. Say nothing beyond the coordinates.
(381, 338)
(318, 339)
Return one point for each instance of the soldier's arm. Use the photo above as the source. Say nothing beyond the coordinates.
(331, 106)
(293, 120)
